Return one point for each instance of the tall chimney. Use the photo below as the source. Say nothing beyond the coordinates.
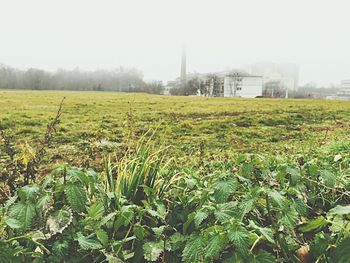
(183, 65)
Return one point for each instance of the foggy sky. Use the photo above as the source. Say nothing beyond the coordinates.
(102, 34)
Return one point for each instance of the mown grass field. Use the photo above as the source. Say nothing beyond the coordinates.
(98, 121)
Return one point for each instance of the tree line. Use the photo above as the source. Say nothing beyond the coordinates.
(120, 79)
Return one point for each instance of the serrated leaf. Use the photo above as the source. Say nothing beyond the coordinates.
(60, 248)
(337, 157)
(314, 225)
(337, 224)
(277, 198)
(176, 241)
(238, 235)
(45, 202)
(59, 220)
(108, 217)
(88, 243)
(225, 211)
(28, 192)
(216, 243)
(76, 196)
(112, 259)
(36, 235)
(300, 206)
(294, 175)
(152, 250)
(139, 231)
(265, 231)
(223, 189)
(158, 231)
(96, 211)
(194, 249)
(23, 213)
(200, 216)
(289, 218)
(340, 210)
(102, 236)
(319, 245)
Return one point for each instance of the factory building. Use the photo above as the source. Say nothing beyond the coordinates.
(243, 86)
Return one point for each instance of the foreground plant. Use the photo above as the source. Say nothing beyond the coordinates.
(253, 209)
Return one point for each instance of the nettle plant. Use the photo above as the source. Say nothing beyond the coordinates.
(254, 208)
(266, 210)
(78, 215)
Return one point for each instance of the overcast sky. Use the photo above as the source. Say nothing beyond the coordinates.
(96, 34)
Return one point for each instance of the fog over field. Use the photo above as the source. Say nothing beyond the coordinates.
(148, 35)
(181, 131)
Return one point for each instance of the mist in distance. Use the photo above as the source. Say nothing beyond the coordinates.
(147, 35)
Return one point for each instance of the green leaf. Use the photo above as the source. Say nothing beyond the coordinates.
(96, 211)
(112, 259)
(158, 231)
(223, 189)
(277, 198)
(265, 231)
(45, 202)
(294, 175)
(319, 245)
(23, 213)
(102, 236)
(342, 252)
(340, 210)
(87, 243)
(188, 222)
(124, 218)
(76, 196)
(13, 223)
(152, 250)
(176, 241)
(107, 218)
(59, 220)
(7, 254)
(238, 235)
(28, 193)
(337, 224)
(300, 206)
(234, 258)
(139, 231)
(328, 178)
(200, 216)
(194, 249)
(216, 243)
(289, 218)
(263, 257)
(314, 225)
(225, 211)
(61, 248)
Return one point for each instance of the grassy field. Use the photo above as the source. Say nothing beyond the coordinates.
(100, 119)
(220, 180)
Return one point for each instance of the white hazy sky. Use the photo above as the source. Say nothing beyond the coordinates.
(96, 34)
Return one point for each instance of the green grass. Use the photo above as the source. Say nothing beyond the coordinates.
(183, 178)
(239, 125)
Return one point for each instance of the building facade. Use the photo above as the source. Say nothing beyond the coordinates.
(243, 86)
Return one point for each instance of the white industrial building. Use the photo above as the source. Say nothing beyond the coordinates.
(245, 86)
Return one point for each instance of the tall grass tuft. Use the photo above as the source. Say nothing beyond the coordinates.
(140, 172)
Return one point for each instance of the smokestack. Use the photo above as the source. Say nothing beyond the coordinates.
(183, 65)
